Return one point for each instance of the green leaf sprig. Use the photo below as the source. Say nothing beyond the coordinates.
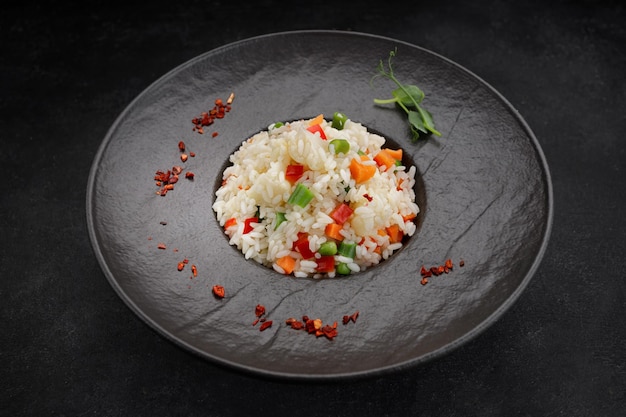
(408, 97)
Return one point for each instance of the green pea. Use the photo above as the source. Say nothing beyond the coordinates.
(340, 146)
(339, 120)
(343, 269)
(328, 248)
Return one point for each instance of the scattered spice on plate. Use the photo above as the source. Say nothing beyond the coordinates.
(437, 270)
(265, 325)
(165, 180)
(218, 111)
(352, 318)
(313, 326)
(218, 291)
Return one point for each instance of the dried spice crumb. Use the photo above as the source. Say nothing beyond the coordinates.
(218, 291)
(316, 327)
(218, 111)
(259, 310)
(265, 325)
(437, 270)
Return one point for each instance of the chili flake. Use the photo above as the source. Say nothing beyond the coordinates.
(219, 291)
(167, 179)
(259, 310)
(437, 270)
(313, 326)
(218, 111)
(265, 325)
(352, 318)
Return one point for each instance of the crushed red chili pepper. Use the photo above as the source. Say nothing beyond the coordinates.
(181, 266)
(194, 271)
(317, 327)
(218, 291)
(437, 270)
(218, 111)
(166, 179)
(265, 325)
(181, 146)
(189, 175)
(352, 318)
(161, 246)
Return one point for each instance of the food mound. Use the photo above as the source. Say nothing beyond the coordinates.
(317, 198)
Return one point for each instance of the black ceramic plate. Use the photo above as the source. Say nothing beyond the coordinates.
(486, 198)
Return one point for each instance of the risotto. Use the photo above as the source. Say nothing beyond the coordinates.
(317, 198)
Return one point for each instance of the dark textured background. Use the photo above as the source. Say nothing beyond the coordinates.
(69, 346)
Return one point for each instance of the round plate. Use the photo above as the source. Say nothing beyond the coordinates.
(487, 191)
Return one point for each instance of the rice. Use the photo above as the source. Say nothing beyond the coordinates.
(253, 203)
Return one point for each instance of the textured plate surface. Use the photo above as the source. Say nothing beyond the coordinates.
(486, 185)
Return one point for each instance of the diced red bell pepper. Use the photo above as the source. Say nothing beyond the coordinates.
(326, 263)
(247, 227)
(341, 213)
(302, 245)
(317, 128)
(293, 173)
(230, 222)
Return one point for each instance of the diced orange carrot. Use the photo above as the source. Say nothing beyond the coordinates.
(395, 153)
(287, 263)
(230, 222)
(381, 232)
(409, 217)
(384, 158)
(360, 172)
(332, 230)
(395, 234)
(316, 120)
